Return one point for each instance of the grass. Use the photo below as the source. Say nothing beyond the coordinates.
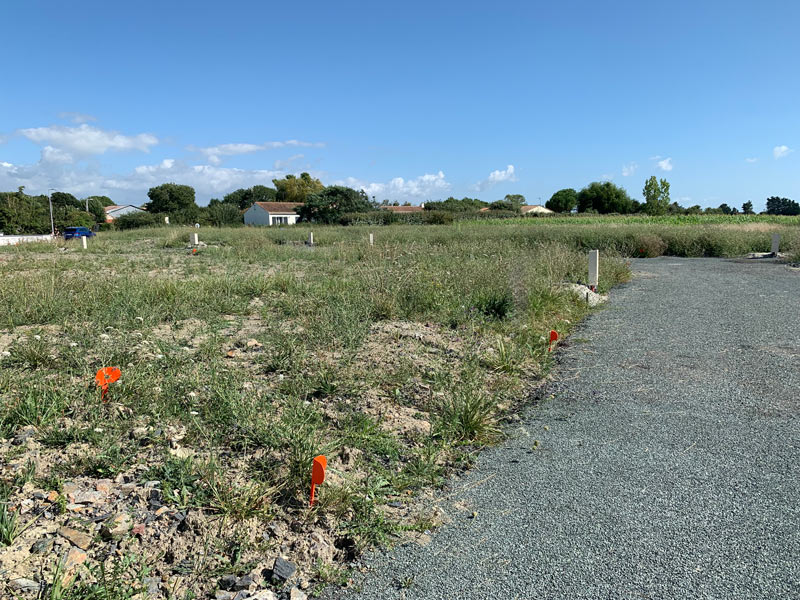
(396, 361)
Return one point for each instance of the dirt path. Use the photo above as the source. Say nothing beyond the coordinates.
(667, 463)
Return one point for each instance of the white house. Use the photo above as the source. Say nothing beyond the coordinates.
(112, 212)
(272, 213)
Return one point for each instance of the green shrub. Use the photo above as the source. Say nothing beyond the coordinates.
(136, 220)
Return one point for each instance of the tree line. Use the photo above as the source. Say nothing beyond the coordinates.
(605, 198)
(23, 213)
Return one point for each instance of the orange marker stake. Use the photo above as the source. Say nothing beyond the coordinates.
(105, 376)
(553, 338)
(317, 473)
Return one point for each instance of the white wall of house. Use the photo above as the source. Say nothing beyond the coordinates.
(255, 215)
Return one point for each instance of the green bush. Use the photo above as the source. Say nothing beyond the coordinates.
(137, 220)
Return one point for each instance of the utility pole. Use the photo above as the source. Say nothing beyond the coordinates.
(50, 201)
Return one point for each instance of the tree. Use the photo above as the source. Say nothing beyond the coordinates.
(244, 198)
(21, 214)
(224, 213)
(97, 208)
(79, 218)
(103, 200)
(170, 198)
(510, 202)
(725, 209)
(782, 206)
(296, 189)
(455, 205)
(605, 197)
(747, 208)
(137, 219)
(328, 205)
(563, 201)
(656, 196)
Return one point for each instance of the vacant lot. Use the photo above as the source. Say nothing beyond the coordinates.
(242, 362)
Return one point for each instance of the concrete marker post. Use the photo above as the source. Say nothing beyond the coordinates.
(195, 239)
(310, 238)
(776, 243)
(594, 269)
(371, 240)
(83, 239)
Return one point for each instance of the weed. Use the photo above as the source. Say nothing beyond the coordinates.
(468, 415)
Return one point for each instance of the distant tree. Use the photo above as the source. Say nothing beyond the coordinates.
(21, 214)
(244, 198)
(656, 196)
(79, 218)
(137, 219)
(170, 198)
(328, 205)
(563, 201)
(782, 206)
(694, 210)
(747, 208)
(725, 209)
(224, 213)
(103, 200)
(676, 209)
(97, 208)
(296, 189)
(605, 197)
(454, 205)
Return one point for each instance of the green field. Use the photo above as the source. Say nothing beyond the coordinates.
(244, 361)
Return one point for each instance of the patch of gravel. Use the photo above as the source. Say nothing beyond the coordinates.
(663, 462)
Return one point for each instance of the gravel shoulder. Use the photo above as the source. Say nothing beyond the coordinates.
(663, 462)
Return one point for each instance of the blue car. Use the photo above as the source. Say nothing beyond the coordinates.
(78, 232)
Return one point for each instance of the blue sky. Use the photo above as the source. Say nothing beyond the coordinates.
(411, 101)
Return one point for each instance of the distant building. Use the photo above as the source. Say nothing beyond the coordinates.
(535, 209)
(112, 212)
(404, 209)
(272, 213)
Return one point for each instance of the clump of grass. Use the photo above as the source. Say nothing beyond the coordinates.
(9, 519)
(468, 415)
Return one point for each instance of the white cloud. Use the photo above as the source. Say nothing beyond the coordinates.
(781, 151)
(751, 160)
(285, 164)
(208, 180)
(629, 169)
(423, 187)
(87, 140)
(54, 155)
(665, 165)
(496, 177)
(606, 177)
(76, 117)
(214, 154)
(656, 157)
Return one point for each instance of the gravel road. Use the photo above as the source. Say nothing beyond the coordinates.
(668, 463)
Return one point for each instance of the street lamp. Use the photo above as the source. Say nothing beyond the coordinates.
(50, 200)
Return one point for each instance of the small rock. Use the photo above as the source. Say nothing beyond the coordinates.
(53, 496)
(253, 344)
(277, 529)
(70, 487)
(181, 452)
(86, 497)
(24, 585)
(116, 527)
(223, 595)
(264, 595)
(43, 546)
(245, 583)
(103, 486)
(296, 594)
(23, 435)
(73, 558)
(153, 585)
(395, 504)
(138, 529)
(282, 569)
(80, 539)
(228, 582)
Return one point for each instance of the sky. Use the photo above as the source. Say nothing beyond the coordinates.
(410, 101)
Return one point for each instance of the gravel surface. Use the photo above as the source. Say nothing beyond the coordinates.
(668, 462)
